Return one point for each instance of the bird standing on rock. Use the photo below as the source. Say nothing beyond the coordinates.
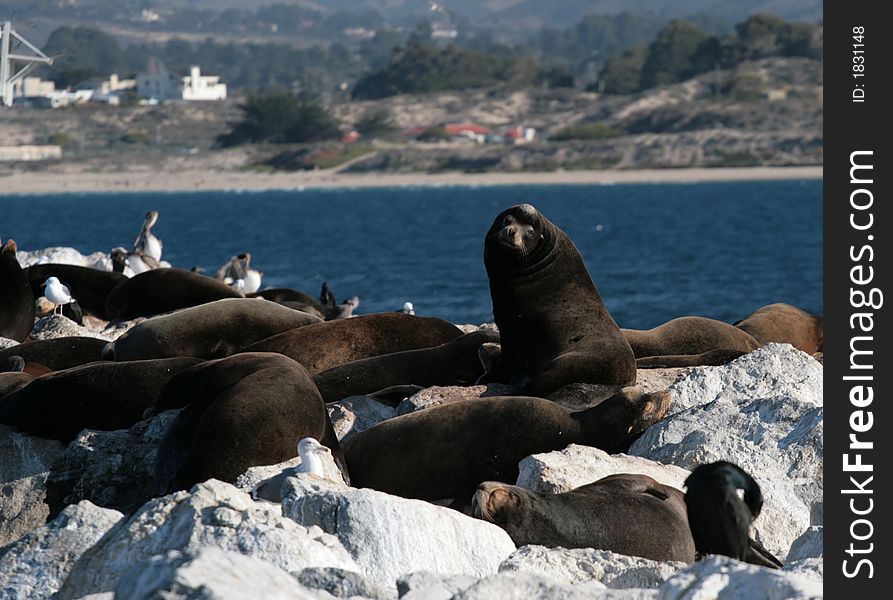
(57, 293)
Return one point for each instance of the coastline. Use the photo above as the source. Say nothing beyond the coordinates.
(208, 180)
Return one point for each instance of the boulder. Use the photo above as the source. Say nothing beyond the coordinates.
(343, 584)
(655, 380)
(764, 413)
(810, 568)
(581, 565)
(424, 585)
(724, 578)
(36, 565)
(212, 514)
(25, 463)
(390, 536)
(563, 470)
(209, 574)
(50, 327)
(64, 256)
(809, 545)
(7, 343)
(523, 586)
(354, 414)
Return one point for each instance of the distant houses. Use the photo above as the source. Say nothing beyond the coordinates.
(158, 86)
(472, 132)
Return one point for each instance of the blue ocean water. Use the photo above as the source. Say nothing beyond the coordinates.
(656, 251)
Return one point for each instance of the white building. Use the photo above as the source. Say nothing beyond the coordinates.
(30, 87)
(195, 86)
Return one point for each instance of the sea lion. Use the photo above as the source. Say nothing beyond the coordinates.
(11, 381)
(58, 353)
(712, 358)
(16, 299)
(17, 364)
(720, 519)
(322, 346)
(624, 513)
(241, 411)
(554, 327)
(211, 330)
(455, 363)
(785, 324)
(687, 336)
(446, 451)
(100, 395)
(90, 287)
(163, 290)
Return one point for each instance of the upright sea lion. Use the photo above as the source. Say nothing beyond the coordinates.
(785, 324)
(58, 353)
(457, 362)
(446, 451)
(720, 519)
(163, 290)
(241, 411)
(322, 346)
(90, 287)
(16, 299)
(211, 330)
(689, 335)
(624, 513)
(100, 395)
(555, 330)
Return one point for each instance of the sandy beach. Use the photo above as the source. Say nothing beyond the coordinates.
(193, 180)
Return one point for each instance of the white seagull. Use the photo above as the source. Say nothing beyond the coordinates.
(310, 451)
(408, 309)
(57, 293)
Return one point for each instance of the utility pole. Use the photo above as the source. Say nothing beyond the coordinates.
(8, 74)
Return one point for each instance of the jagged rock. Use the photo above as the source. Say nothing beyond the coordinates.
(563, 470)
(212, 514)
(810, 568)
(7, 343)
(113, 469)
(269, 479)
(343, 584)
(50, 327)
(724, 578)
(435, 395)
(764, 413)
(424, 585)
(809, 545)
(390, 536)
(354, 414)
(581, 565)
(773, 370)
(64, 256)
(25, 463)
(36, 565)
(655, 380)
(523, 586)
(209, 574)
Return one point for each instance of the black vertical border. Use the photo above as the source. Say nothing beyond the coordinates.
(849, 127)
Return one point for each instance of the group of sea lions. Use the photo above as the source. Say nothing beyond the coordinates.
(252, 376)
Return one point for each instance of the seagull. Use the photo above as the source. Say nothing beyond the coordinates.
(408, 308)
(57, 293)
(146, 243)
(310, 451)
(239, 268)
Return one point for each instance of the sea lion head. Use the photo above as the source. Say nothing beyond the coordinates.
(615, 423)
(518, 234)
(505, 505)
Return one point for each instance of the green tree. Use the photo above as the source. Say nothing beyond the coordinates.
(375, 122)
(622, 74)
(670, 55)
(279, 117)
(81, 53)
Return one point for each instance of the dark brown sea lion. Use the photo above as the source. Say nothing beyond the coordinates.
(211, 330)
(11, 381)
(100, 395)
(628, 514)
(16, 299)
(785, 324)
(58, 353)
(720, 519)
(241, 411)
(325, 345)
(17, 364)
(687, 336)
(90, 287)
(712, 358)
(445, 451)
(163, 290)
(554, 327)
(455, 363)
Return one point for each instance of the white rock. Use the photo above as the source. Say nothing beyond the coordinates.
(64, 256)
(50, 327)
(773, 370)
(390, 536)
(424, 585)
(776, 438)
(524, 586)
(563, 470)
(7, 343)
(25, 464)
(343, 584)
(810, 568)
(655, 380)
(723, 578)
(36, 565)
(809, 545)
(581, 565)
(354, 414)
(212, 514)
(209, 574)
